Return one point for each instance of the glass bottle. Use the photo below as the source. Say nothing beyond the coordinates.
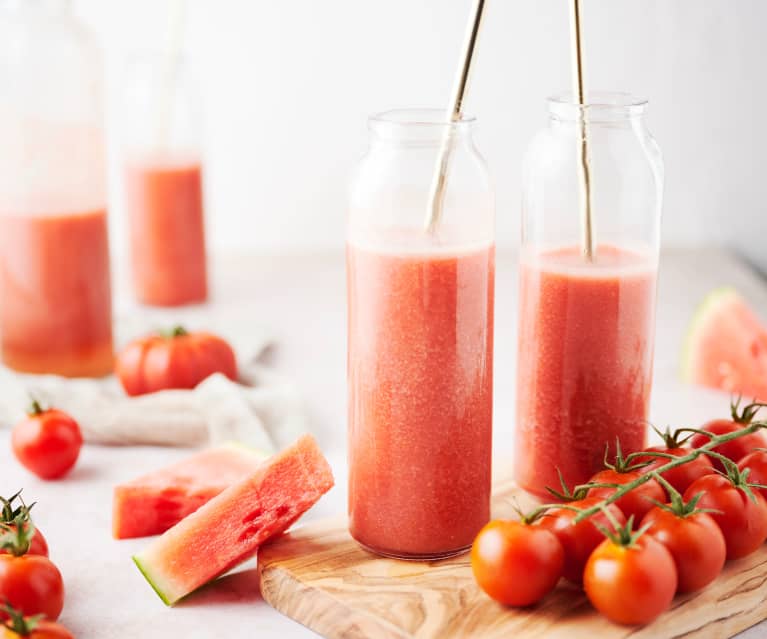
(586, 322)
(55, 297)
(420, 349)
(163, 180)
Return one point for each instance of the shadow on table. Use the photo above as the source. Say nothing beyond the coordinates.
(235, 588)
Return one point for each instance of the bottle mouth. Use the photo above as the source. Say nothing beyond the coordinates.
(418, 124)
(599, 106)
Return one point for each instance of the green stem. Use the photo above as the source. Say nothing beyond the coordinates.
(716, 440)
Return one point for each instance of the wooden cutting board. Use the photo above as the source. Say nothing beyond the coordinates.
(320, 577)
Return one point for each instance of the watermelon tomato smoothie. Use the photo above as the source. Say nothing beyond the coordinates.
(585, 361)
(420, 406)
(55, 294)
(165, 209)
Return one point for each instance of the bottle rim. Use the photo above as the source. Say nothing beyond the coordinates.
(419, 123)
(598, 106)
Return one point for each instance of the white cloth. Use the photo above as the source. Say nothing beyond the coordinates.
(263, 410)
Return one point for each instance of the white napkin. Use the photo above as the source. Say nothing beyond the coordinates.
(263, 410)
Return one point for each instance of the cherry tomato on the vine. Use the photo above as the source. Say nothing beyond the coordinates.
(756, 462)
(680, 477)
(32, 585)
(630, 583)
(735, 449)
(516, 563)
(47, 442)
(637, 502)
(742, 520)
(695, 542)
(579, 539)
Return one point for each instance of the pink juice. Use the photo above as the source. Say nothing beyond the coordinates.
(585, 361)
(420, 403)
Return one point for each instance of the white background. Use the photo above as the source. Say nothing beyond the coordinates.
(286, 87)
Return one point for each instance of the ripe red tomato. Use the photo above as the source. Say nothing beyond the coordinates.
(695, 543)
(735, 449)
(756, 462)
(10, 514)
(515, 563)
(18, 626)
(743, 522)
(41, 630)
(47, 442)
(682, 476)
(175, 360)
(579, 539)
(630, 584)
(32, 585)
(636, 502)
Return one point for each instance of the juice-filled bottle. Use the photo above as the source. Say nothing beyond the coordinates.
(55, 298)
(587, 291)
(420, 349)
(163, 180)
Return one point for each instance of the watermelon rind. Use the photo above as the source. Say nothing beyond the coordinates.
(712, 303)
(167, 599)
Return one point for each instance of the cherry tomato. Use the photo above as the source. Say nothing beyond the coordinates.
(18, 626)
(695, 543)
(32, 585)
(42, 630)
(743, 522)
(630, 584)
(37, 544)
(47, 442)
(757, 463)
(735, 449)
(515, 563)
(579, 540)
(682, 476)
(173, 360)
(637, 502)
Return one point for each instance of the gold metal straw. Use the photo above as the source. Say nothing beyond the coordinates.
(584, 171)
(437, 192)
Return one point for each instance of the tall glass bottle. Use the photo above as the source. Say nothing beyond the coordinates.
(420, 351)
(586, 322)
(55, 298)
(163, 179)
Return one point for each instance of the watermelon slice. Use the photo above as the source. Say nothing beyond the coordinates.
(230, 527)
(726, 347)
(155, 502)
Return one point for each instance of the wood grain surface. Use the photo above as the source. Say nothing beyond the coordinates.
(321, 578)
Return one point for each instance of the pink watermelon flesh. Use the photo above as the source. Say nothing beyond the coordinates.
(230, 527)
(726, 347)
(152, 504)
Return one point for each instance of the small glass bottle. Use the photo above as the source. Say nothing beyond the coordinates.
(586, 322)
(55, 297)
(420, 350)
(163, 178)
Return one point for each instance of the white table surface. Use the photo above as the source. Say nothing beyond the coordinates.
(302, 298)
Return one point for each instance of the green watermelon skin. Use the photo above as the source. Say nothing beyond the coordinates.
(230, 528)
(153, 503)
(726, 347)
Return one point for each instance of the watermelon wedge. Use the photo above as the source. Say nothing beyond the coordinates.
(726, 347)
(155, 502)
(230, 527)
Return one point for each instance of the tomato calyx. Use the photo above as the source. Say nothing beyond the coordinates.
(576, 494)
(622, 464)
(673, 438)
(8, 514)
(624, 536)
(737, 477)
(17, 534)
(677, 505)
(747, 414)
(35, 407)
(18, 623)
(176, 331)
